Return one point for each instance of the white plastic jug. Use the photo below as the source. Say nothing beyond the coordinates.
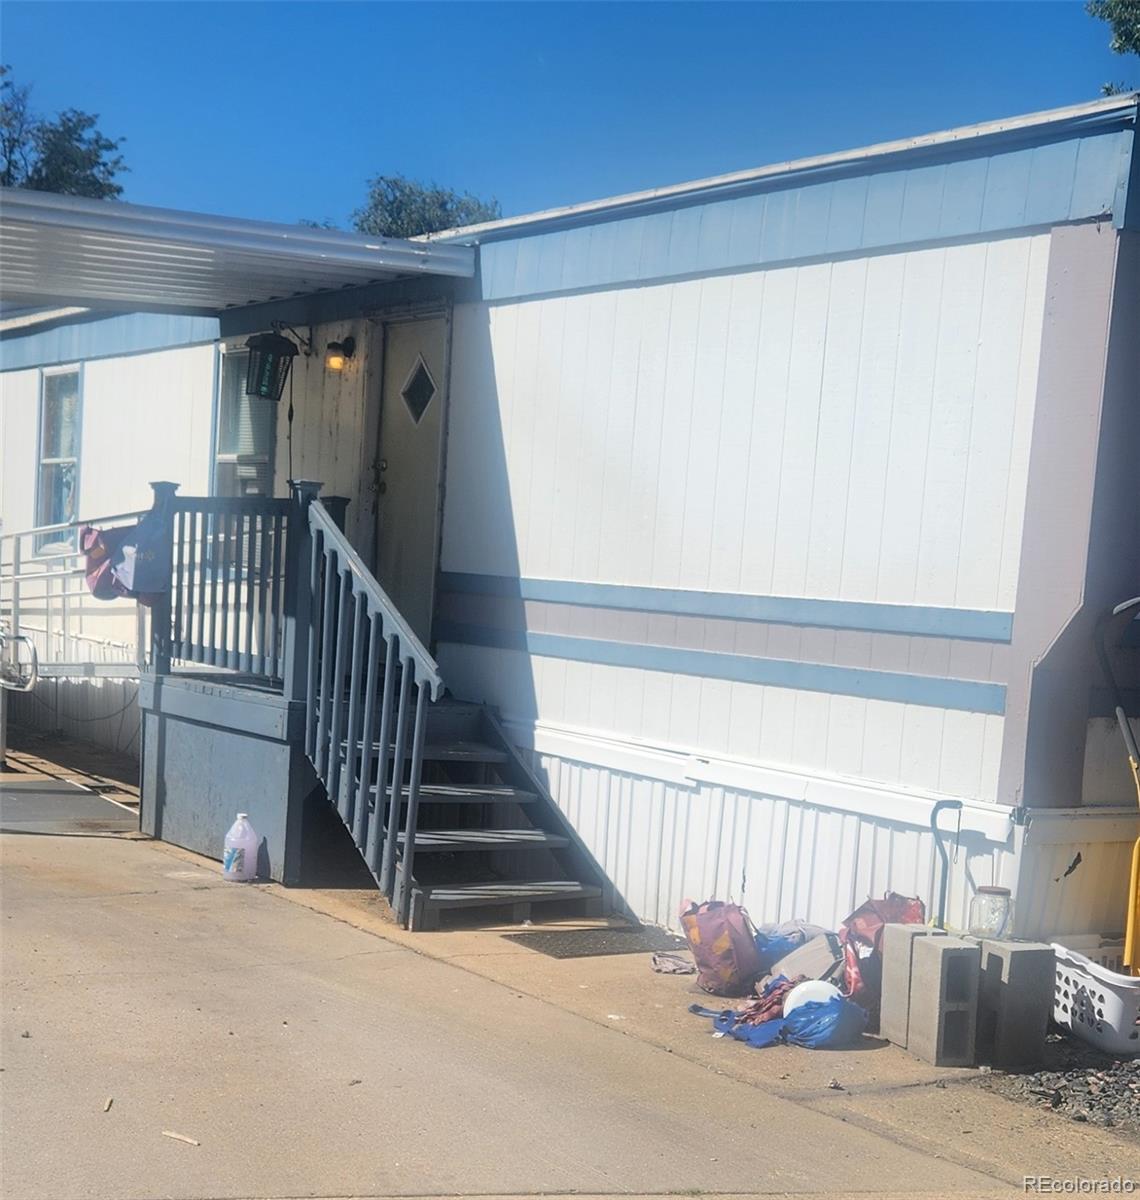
(239, 859)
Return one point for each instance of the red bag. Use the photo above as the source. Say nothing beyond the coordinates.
(103, 548)
(862, 938)
(723, 943)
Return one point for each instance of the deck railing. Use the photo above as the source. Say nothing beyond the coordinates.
(227, 594)
(369, 681)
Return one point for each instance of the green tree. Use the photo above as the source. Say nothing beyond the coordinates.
(66, 153)
(400, 207)
(1123, 17)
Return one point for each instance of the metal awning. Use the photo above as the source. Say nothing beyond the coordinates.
(102, 254)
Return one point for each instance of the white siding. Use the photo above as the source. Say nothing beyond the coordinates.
(854, 430)
(145, 417)
(932, 750)
(19, 445)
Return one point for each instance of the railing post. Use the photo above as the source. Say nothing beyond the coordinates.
(17, 567)
(298, 599)
(160, 628)
(336, 507)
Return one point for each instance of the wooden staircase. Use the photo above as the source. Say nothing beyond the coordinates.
(444, 811)
(489, 837)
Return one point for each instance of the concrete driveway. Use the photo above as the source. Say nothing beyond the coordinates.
(305, 1057)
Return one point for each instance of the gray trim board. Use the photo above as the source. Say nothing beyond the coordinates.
(962, 694)
(913, 619)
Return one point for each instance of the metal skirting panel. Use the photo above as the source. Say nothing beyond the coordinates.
(103, 711)
(660, 843)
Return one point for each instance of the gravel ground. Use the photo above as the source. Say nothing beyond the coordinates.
(1077, 1082)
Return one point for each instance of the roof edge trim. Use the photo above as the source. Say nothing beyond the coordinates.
(1111, 111)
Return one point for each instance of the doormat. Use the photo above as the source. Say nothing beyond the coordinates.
(595, 943)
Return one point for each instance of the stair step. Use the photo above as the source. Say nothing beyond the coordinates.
(459, 895)
(487, 839)
(454, 752)
(472, 793)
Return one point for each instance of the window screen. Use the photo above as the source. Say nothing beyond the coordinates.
(57, 483)
(247, 431)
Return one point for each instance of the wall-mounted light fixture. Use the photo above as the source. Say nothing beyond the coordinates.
(338, 353)
(270, 357)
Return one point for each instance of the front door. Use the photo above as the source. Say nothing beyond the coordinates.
(413, 396)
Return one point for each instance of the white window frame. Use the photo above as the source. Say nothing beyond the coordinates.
(220, 459)
(50, 543)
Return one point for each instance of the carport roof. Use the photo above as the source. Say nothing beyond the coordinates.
(67, 250)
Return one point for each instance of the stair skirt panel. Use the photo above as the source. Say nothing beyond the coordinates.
(662, 840)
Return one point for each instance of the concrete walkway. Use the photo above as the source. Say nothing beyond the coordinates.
(306, 1057)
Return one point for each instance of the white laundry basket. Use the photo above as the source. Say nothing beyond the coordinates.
(1097, 1004)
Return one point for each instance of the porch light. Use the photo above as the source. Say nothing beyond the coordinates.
(270, 357)
(338, 353)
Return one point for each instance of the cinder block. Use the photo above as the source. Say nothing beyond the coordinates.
(1015, 1000)
(897, 948)
(944, 1000)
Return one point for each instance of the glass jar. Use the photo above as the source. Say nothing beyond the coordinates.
(991, 913)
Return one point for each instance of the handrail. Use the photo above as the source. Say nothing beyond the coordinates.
(42, 529)
(368, 681)
(28, 682)
(427, 669)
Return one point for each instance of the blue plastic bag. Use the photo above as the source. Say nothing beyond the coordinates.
(773, 947)
(817, 1025)
(825, 1024)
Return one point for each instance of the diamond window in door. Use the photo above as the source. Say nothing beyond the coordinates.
(419, 389)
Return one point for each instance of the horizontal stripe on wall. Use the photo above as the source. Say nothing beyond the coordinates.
(107, 337)
(953, 658)
(912, 619)
(986, 192)
(961, 694)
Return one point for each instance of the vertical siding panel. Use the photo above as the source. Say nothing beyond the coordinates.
(801, 428)
(833, 445)
(962, 197)
(645, 467)
(730, 478)
(951, 415)
(707, 403)
(1052, 172)
(1100, 162)
(1007, 190)
(1025, 402)
(619, 451)
(591, 436)
(677, 413)
(767, 435)
(992, 414)
(922, 201)
(861, 524)
(910, 425)
(542, 448)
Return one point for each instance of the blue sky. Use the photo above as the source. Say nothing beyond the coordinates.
(283, 110)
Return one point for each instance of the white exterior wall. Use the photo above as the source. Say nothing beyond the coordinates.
(855, 430)
(144, 417)
(19, 439)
